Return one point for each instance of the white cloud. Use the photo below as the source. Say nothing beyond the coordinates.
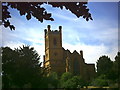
(13, 45)
(86, 31)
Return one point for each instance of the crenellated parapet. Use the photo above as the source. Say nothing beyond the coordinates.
(49, 31)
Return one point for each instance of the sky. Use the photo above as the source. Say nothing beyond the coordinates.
(96, 37)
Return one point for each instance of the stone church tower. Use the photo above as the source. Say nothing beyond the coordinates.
(59, 60)
(53, 50)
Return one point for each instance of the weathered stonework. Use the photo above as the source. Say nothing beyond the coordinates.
(59, 60)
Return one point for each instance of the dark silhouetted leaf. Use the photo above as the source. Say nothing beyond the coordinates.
(28, 16)
(12, 27)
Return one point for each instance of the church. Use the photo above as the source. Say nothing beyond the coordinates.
(59, 60)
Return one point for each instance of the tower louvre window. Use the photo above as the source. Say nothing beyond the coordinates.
(55, 42)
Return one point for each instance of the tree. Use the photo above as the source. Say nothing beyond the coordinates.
(65, 77)
(53, 80)
(100, 81)
(34, 9)
(7, 65)
(107, 71)
(21, 68)
(116, 63)
(116, 69)
(77, 82)
(104, 65)
(70, 81)
(114, 72)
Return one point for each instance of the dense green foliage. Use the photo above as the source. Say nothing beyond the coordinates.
(21, 68)
(70, 81)
(104, 65)
(52, 80)
(100, 81)
(107, 72)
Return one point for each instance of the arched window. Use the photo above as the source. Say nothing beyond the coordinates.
(76, 67)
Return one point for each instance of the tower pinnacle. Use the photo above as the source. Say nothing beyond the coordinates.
(60, 27)
(48, 27)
